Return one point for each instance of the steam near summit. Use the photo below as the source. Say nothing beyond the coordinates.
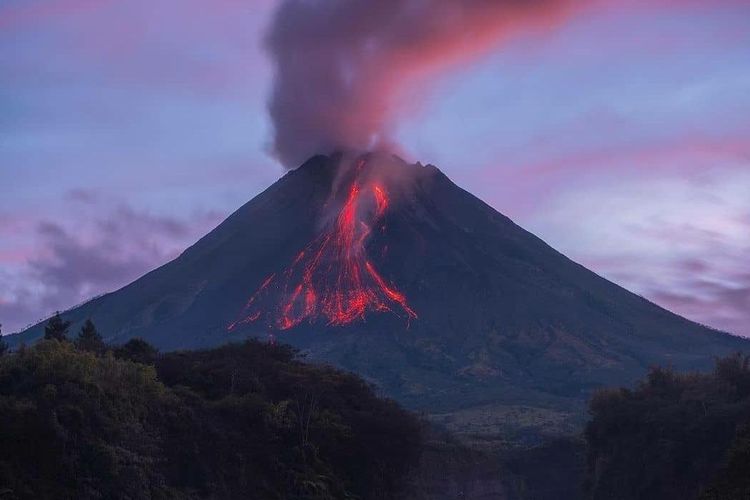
(341, 64)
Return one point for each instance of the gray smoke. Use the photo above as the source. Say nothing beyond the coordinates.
(340, 64)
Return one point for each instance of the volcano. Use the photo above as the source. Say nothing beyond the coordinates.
(392, 271)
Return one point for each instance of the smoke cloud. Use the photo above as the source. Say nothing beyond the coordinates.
(341, 64)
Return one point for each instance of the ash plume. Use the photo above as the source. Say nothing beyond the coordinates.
(340, 64)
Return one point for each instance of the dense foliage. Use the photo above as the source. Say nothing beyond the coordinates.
(4, 347)
(241, 421)
(56, 328)
(676, 436)
(88, 339)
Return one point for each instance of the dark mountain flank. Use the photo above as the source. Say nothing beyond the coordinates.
(392, 271)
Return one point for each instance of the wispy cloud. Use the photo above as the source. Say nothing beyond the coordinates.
(100, 253)
(680, 240)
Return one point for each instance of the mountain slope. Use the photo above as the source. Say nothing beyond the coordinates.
(501, 317)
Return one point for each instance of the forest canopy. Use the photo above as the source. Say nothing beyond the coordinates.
(675, 436)
(246, 420)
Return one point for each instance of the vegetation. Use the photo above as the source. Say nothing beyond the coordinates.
(56, 328)
(89, 339)
(137, 350)
(85, 420)
(241, 421)
(4, 348)
(733, 480)
(451, 469)
(676, 436)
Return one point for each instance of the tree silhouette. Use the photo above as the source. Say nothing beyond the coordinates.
(218, 423)
(4, 347)
(56, 328)
(672, 435)
(137, 350)
(89, 339)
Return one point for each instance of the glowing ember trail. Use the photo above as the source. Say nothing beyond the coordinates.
(332, 279)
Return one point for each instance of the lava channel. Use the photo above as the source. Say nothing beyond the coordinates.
(332, 278)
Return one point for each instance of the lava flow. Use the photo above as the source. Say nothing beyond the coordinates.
(332, 278)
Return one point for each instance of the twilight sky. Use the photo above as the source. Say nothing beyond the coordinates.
(618, 133)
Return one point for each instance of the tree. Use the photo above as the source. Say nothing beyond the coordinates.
(4, 347)
(89, 339)
(137, 350)
(56, 328)
(111, 428)
(670, 435)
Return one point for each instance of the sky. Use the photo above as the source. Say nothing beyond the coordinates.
(620, 136)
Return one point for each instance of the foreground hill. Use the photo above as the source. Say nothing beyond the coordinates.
(392, 271)
(242, 421)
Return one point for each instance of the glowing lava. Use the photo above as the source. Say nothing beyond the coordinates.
(332, 279)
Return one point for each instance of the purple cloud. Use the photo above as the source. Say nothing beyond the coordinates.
(680, 238)
(73, 264)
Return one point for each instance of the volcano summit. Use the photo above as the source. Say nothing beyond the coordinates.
(392, 271)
